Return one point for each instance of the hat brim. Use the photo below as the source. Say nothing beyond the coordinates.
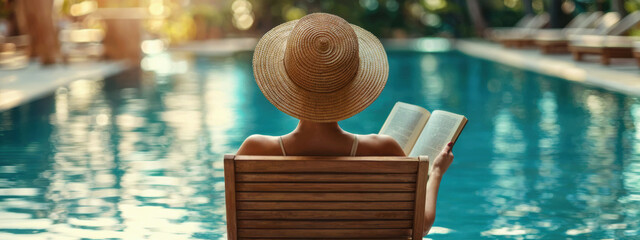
(272, 79)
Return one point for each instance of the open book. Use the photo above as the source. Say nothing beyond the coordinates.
(422, 133)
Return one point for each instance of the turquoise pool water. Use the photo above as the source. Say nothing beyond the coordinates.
(139, 155)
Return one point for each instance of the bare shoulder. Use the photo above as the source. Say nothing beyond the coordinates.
(378, 145)
(260, 145)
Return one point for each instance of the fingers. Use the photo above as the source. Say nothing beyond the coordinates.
(447, 148)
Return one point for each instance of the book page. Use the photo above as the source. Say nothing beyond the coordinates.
(404, 124)
(442, 128)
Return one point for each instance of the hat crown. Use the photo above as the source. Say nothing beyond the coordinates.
(321, 53)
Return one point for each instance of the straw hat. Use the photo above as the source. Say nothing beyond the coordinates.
(320, 68)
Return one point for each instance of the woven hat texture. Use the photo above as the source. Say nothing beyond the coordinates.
(320, 68)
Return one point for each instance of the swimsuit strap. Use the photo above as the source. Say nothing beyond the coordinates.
(354, 147)
(282, 146)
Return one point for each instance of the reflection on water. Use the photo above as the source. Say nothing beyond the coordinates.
(139, 156)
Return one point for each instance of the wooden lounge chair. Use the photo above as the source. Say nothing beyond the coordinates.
(557, 40)
(276, 197)
(493, 33)
(613, 45)
(522, 37)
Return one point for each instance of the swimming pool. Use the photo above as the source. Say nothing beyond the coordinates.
(139, 155)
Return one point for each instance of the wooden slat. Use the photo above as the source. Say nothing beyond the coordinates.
(325, 187)
(326, 166)
(324, 233)
(421, 195)
(326, 158)
(312, 197)
(247, 205)
(277, 224)
(324, 177)
(327, 214)
(230, 196)
(386, 238)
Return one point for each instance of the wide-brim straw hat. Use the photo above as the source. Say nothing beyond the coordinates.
(320, 68)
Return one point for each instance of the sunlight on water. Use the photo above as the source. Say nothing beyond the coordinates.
(221, 101)
(139, 156)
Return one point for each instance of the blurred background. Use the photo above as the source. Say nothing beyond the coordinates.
(80, 30)
(90, 149)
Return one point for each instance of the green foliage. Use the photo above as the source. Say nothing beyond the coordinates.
(395, 18)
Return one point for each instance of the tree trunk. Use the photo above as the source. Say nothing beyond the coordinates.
(600, 6)
(476, 16)
(38, 21)
(555, 12)
(618, 6)
(528, 8)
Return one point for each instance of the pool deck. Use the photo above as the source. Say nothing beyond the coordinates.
(623, 75)
(23, 85)
(217, 47)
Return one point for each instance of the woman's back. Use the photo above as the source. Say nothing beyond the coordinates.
(321, 139)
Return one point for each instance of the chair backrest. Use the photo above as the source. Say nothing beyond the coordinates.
(587, 24)
(587, 20)
(606, 22)
(279, 197)
(524, 21)
(538, 21)
(578, 20)
(625, 24)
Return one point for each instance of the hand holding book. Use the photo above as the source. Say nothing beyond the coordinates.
(442, 162)
(420, 132)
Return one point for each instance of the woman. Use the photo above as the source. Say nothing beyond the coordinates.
(320, 69)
